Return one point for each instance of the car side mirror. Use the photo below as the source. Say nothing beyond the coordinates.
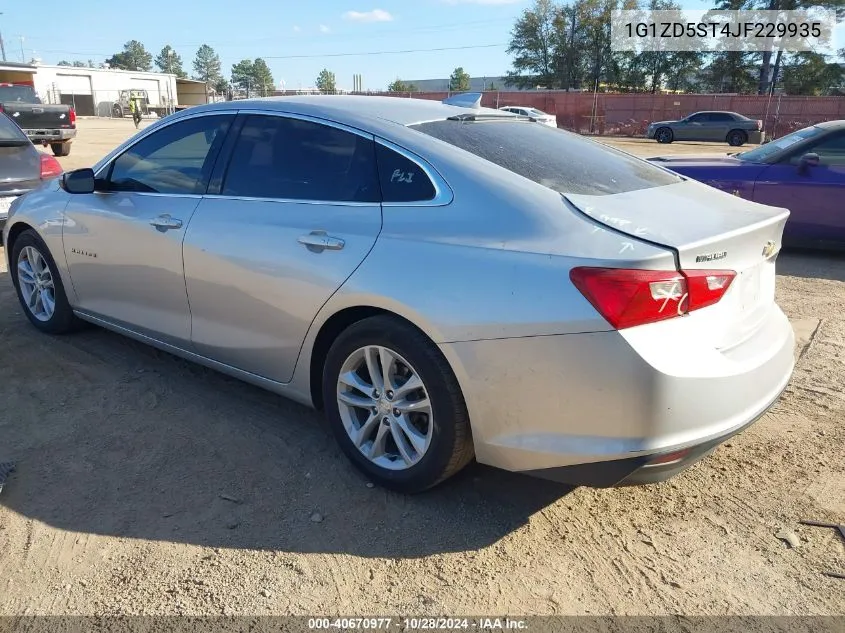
(79, 181)
(807, 161)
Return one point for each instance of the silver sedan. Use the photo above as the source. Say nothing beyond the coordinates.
(446, 282)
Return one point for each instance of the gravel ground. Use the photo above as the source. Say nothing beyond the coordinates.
(147, 485)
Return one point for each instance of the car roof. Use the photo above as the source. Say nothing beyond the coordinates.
(350, 108)
(838, 124)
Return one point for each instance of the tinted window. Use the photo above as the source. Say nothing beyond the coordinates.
(176, 159)
(278, 157)
(721, 117)
(562, 161)
(402, 180)
(769, 150)
(9, 130)
(699, 118)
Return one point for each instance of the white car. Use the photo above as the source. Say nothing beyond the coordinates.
(534, 113)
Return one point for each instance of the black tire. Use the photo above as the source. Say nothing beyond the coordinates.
(737, 138)
(60, 149)
(63, 319)
(664, 135)
(451, 442)
(117, 111)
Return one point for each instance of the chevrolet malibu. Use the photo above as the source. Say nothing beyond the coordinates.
(446, 282)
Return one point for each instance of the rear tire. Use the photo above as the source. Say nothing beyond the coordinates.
(117, 111)
(45, 281)
(736, 138)
(664, 135)
(60, 149)
(441, 429)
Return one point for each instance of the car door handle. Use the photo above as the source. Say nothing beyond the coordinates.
(165, 222)
(319, 241)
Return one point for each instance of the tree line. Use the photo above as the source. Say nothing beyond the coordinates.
(566, 45)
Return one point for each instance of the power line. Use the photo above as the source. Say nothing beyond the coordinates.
(399, 52)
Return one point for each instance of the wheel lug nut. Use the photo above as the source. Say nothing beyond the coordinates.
(396, 412)
(385, 420)
(375, 393)
(390, 395)
(375, 411)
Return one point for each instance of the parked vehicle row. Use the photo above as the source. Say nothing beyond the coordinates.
(444, 281)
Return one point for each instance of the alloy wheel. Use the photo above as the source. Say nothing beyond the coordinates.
(384, 407)
(36, 284)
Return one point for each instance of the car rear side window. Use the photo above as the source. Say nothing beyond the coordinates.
(721, 117)
(562, 161)
(292, 159)
(10, 132)
(402, 180)
(176, 159)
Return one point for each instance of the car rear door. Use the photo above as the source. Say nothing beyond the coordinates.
(123, 242)
(719, 124)
(814, 195)
(294, 213)
(20, 164)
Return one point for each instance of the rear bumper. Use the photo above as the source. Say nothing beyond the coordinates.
(50, 136)
(596, 408)
(755, 137)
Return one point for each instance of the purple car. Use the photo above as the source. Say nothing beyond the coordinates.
(803, 171)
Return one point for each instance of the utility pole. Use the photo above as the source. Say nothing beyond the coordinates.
(23, 59)
(2, 45)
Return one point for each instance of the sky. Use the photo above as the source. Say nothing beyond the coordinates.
(379, 39)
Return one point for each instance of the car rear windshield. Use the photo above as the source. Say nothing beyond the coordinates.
(562, 161)
(10, 132)
(21, 94)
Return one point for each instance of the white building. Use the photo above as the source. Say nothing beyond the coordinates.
(96, 91)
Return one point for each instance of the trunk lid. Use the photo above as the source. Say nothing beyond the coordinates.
(708, 230)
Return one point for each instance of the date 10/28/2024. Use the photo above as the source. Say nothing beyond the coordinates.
(418, 624)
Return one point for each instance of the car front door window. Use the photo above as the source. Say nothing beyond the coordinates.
(171, 160)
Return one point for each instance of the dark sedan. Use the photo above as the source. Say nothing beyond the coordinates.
(22, 166)
(724, 127)
(803, 171)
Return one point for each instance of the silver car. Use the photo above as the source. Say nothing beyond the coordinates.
(724, 127)
(445, 282)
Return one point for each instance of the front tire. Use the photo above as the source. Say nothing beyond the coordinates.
(395, 406)
(39, 286)
(664, 135)
(736, 138)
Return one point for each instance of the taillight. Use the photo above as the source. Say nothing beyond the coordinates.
(72, 116)
(629, 297)
(50, 167)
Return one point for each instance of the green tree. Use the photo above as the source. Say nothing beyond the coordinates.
(811, 74)
(79, 64)
(534, 43)
(401, 86)
(242, 76)
(169, 61)
(459, 80)
(133, 57)
(207, 65)
(326, 81)
(63, 63)
(262, 77)
(223, 87)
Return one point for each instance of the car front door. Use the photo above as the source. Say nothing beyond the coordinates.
(123, 242)
(814, 194)
(690, 129)
(296, 212)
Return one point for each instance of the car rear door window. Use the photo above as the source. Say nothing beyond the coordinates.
(293, 159)
(402, 180)
(176, 159)
(721, 117)
(10, 132)
(560, 160)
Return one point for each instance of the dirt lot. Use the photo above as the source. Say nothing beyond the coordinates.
(146, 485)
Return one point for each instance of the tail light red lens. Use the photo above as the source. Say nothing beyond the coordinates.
(50, 167)
(630, 297)
(72, 116)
